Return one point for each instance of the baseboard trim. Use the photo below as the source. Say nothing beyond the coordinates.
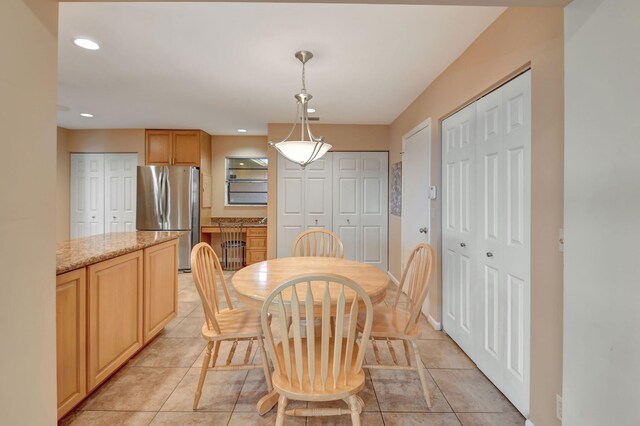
(529, 423)
(435, 324)
(393, 279)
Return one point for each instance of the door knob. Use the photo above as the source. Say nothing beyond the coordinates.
(93, 217)
(114, 218)
(423, 230)
(349, 221)
(316, 221)
(463, 245)
(489, 254)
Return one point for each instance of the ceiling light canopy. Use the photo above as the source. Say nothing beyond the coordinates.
(302, 151)
(86, 115)
(85, 43)
(242, 130)
(311, 110)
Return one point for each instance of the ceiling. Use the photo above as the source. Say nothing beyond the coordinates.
(224, 66)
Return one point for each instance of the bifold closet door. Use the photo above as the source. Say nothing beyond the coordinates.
(120, 192)
(304, 200)
(360, 198)
(503, 161)
(87, 195)
(459, 228)
(486, 235)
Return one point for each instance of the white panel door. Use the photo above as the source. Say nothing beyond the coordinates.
(458, 228)
(416, 182)
(318, 179)
(347, 204)
(486, 258)
(87, 195)
(120, 192)
(374, 217)
(290, 205)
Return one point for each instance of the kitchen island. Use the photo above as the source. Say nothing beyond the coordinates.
(114, 293)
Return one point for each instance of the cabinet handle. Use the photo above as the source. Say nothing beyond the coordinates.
(489, 254)
(463, 245)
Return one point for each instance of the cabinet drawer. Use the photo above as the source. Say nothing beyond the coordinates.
(254, 256)
(259, 243)
(256, 232)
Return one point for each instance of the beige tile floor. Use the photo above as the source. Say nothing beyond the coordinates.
(156, 387)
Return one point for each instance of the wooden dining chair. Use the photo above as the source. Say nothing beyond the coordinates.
(233, 324)
(318, 242)
(395, 323)
(326, 364)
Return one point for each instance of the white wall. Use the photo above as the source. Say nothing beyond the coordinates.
(28, 45)
(602, 213)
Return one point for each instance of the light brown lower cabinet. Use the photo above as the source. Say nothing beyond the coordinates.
(160, 287)
(71, 348)
(115, 314)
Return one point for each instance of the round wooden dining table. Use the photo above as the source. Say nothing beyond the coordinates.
(253, 283)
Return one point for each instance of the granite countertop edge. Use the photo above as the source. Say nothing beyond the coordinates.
(82, 252)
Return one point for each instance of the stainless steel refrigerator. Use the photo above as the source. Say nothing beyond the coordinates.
(169, 200)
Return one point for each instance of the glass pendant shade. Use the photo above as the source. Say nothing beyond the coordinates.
(302, 151)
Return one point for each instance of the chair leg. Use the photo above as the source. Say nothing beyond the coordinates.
(203, 374)
(355, 410)
(423, 377)
(265, 363)
(282, 406)
(406, 352)
(216, 349)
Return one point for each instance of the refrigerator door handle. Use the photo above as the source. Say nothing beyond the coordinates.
(163, 197)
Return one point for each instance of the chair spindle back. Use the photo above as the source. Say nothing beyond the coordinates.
(318, 242)
(334, 347)
(204, 266)
(416, 276)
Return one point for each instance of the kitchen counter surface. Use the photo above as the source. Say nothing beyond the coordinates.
(74, 254)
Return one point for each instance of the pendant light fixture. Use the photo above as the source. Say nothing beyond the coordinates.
(302, 151)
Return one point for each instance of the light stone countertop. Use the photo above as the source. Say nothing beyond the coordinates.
(78, 253)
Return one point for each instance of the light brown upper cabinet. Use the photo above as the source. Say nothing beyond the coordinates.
(174, 147)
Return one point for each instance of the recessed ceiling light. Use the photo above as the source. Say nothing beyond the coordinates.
(86, 115)
(311, 110)
(85, 43)
(242, 130)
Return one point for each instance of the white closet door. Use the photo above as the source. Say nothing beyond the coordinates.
(120, 192)
(87, 195)
(459, 228)
(347, 203)
(486, 268)
(374, 217)
(319, 193)
(290, 205)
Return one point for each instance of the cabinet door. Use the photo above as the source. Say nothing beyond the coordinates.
(160, 287)
(158, 150)
(71, 349)
(186, 148)
(115, 314)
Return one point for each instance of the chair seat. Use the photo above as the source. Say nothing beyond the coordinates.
(389, 322)
(239, 322)
(293, 391)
